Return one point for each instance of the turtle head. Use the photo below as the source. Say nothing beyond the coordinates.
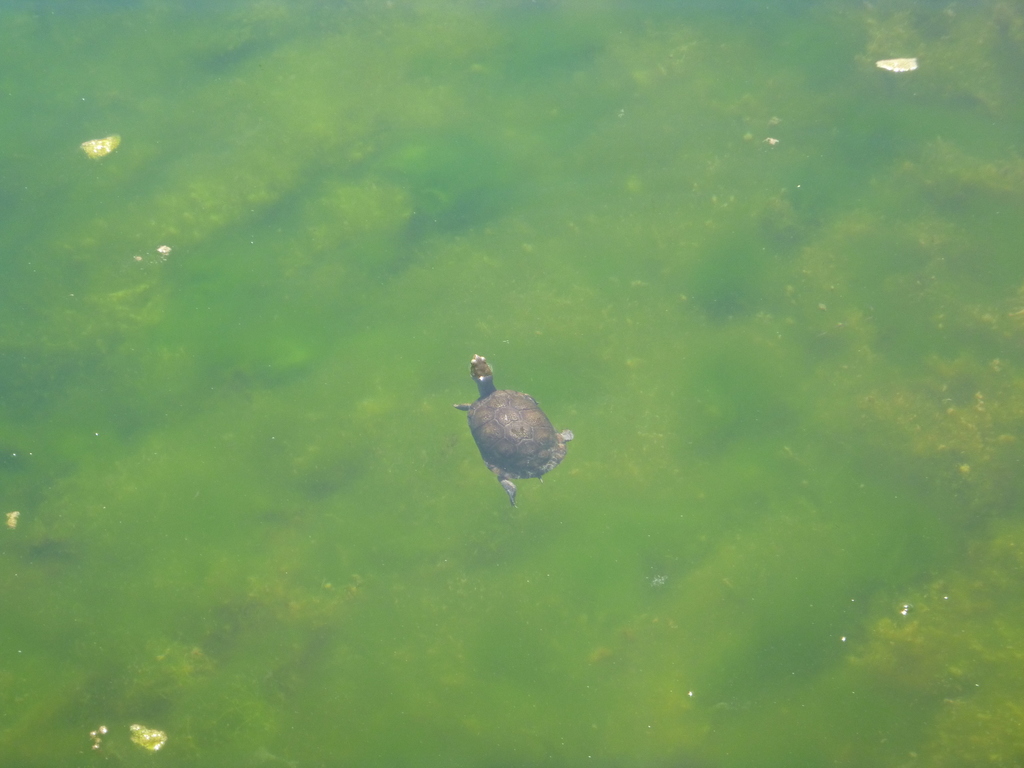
(482, 375)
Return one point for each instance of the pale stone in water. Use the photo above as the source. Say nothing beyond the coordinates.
(101, 147)
(897, 65)
(148, 738)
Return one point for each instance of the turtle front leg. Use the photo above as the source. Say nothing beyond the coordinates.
(510, 489)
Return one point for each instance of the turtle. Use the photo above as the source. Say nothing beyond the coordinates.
(515, 438)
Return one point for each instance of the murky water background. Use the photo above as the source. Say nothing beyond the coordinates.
(775, 291)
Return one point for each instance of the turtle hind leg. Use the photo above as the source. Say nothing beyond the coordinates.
(510, 489)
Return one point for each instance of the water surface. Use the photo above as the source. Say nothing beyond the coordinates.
(775, 291)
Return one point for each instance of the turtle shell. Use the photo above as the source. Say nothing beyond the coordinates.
(515, 438)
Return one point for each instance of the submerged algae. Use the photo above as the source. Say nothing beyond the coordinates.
(762, 340)
(960, 650)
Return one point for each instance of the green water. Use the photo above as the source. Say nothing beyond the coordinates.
(789, 530)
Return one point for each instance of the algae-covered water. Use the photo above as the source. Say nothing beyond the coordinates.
(776, 291)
